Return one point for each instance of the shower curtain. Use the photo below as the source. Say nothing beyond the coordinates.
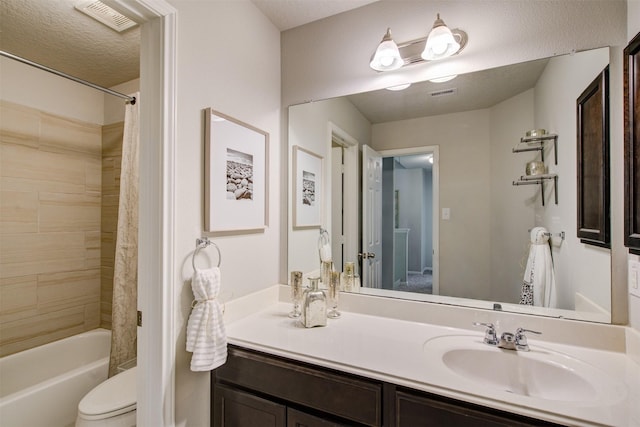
(125, 274)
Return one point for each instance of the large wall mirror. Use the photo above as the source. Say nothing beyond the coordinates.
(422, 182)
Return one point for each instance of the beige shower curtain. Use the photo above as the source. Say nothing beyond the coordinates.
(125, 274)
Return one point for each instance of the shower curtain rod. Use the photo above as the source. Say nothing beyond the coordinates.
(131, 99)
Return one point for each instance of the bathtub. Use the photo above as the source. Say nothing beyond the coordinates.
(42, 386)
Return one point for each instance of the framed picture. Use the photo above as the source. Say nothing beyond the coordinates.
(632, 145)
(307, 188)
(236, 174)
(594, 225)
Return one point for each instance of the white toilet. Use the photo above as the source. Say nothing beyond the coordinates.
(111, 403)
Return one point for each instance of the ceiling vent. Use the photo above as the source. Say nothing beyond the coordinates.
(444, 92)
(105, 15)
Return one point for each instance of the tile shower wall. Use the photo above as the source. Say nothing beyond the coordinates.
(50, 215)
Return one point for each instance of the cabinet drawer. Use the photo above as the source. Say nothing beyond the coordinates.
(420, 410)
(321, 389)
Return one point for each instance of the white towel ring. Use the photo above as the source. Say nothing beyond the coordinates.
(203, 243)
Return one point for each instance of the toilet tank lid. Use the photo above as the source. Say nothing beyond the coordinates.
(115, 394)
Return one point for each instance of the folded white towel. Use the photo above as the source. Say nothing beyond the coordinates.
(206, 336)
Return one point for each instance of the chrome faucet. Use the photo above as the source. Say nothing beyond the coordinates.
(507, 341)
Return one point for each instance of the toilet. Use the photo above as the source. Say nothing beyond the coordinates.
(111, 403)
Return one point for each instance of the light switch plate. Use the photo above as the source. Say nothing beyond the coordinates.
(634, 277)
(446, 214)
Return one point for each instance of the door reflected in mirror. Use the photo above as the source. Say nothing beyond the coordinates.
(470, 237)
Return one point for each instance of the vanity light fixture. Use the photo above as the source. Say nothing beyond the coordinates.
(442, 42)
(387, 56)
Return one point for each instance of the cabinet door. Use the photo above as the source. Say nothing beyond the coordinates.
(414, 410)
(234, 408)
(297, 418)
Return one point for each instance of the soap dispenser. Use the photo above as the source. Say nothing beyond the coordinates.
(314, 308)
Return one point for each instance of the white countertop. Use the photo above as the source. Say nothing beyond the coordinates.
(392, 350)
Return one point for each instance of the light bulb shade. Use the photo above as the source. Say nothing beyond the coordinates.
(441, 42)
(387, 56)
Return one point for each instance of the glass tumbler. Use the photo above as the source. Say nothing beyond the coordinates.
(296, 293)
(325, 272)
(334, 293)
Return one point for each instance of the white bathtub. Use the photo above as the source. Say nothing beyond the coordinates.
(42, 386)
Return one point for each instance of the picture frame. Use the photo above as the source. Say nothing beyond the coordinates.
(236, 183)
(631, 69)
(594, 225)
(308, 197)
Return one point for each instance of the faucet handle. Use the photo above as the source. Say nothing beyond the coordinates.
(521, 338)
(489, 334)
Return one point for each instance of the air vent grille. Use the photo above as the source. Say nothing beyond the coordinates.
(105, 15)
(444, 92)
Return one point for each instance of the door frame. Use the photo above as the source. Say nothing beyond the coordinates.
(350, 195)
(156, 254)
(435, 149)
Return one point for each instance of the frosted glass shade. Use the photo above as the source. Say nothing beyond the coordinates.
(387, 56)
(440, 43)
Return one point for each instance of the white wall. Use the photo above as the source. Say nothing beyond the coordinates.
(633, 28)
(219, 66)
(580, 268)
(309, 128)
(512, 206)
(464, 140)
(25, 85)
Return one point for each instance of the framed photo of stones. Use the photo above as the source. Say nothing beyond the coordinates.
(236, 175)
(307, 188)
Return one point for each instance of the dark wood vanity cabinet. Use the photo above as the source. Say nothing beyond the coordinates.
(254, 389)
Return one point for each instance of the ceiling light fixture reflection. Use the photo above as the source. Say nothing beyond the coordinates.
(399, 87)
(443, 79)
(387, 56)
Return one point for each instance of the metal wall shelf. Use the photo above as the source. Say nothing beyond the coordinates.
(539, 180)
(538, 140)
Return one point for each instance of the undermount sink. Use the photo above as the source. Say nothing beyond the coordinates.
(540, 373)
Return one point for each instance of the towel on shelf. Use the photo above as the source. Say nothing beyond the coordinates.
(206, 336)
(539, 284)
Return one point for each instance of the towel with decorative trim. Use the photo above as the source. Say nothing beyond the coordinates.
(206, 336)
(539, 283)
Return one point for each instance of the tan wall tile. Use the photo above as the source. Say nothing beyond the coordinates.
(18, 212)
(59, 134)
(68, 288)
(36, 165)
(18, 294)
(19, 125)
(112, 136)
(69, 212)
(51, 174)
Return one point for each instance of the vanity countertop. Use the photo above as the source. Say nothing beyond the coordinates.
(392, 350)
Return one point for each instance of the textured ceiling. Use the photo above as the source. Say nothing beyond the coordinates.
(55, 34)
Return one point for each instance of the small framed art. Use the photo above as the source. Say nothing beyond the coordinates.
(307, 188)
